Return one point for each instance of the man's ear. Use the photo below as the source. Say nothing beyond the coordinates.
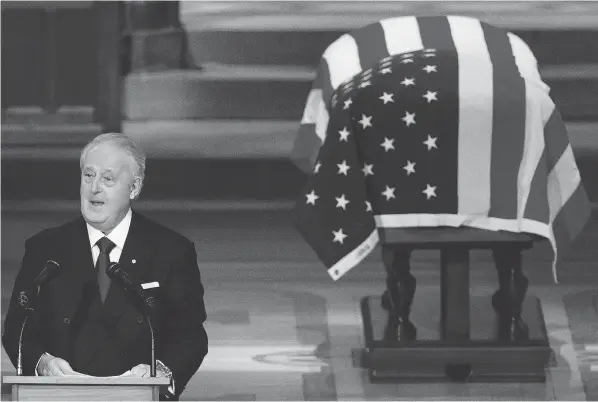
(135, 188)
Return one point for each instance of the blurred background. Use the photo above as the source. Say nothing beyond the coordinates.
(214, 91)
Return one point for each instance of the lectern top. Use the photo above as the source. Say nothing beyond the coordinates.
(75, 380)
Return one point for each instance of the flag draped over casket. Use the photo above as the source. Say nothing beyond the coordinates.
(459, 135)
(362, 48)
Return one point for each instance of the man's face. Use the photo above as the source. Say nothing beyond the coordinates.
(108, 185)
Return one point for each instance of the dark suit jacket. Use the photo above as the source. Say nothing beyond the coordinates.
(160, 255)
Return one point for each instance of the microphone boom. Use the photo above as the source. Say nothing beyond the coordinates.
(48, 272)
(28, 298)
(115, 272)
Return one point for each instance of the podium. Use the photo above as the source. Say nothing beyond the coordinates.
(31, 388)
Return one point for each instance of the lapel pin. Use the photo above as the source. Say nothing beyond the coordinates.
(134, 261)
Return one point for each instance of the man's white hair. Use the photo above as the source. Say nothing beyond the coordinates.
(123, 142)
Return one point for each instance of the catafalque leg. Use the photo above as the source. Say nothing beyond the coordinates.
(398, 297)
(508, 299)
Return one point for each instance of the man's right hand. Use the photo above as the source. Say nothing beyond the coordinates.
(54, 366)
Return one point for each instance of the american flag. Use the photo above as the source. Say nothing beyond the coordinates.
(362, 48)
(439, 137)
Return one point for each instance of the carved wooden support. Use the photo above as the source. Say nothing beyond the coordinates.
(398, 297)
(454, 294)
(508, 299)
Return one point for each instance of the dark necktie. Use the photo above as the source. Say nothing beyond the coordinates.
(102, 264)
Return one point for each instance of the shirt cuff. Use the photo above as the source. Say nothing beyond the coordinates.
(37, 365)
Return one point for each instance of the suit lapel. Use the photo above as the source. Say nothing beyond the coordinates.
(80, 269)
(85, 285)
(134, 260)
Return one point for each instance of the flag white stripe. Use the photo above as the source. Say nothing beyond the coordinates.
(533, 146)
(312, 106)
(480, 222)
(522, 225)
(526, 61)
(562, 182)
(316, 113)
(475, 115)
(322, 122)
(342, 57)
(402, 35)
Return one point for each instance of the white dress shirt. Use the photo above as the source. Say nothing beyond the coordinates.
(118, 236)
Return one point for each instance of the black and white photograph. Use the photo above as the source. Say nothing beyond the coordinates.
(299, 200)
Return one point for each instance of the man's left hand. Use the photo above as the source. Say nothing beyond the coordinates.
(143, 370)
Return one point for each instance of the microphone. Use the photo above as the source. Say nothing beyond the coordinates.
(48, 272)
(115, 272)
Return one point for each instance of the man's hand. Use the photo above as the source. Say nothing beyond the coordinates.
(54, 366)
(140, 370)
(144, 370)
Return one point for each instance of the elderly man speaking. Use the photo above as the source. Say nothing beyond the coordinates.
(85, 322)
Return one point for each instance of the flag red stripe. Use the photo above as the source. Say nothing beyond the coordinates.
(556, 139)
(571, 219)
(508, 124)
(371, 45)
(435, 33)
(307, 144)
(536, 207)
(305, 149)
(555, 144)
(322, 81)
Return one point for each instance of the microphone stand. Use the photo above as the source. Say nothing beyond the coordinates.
(153, 362)
(20, 358)
(144, 303)
(25, 303)
(148, 303)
